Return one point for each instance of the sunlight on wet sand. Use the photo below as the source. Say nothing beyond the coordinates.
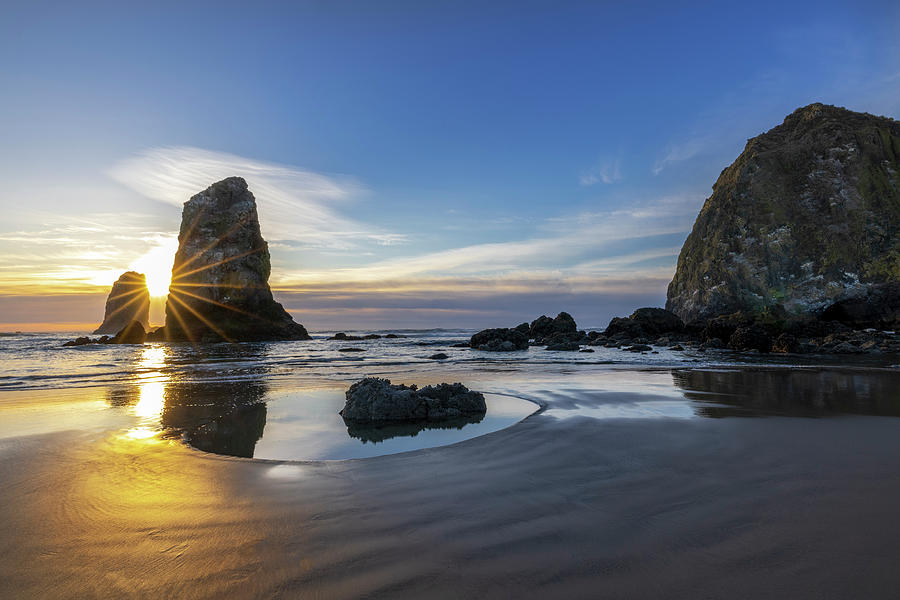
(105, 504)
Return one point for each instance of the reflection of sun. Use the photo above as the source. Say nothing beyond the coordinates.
(151, 384)
(156, 264)
(152, 399)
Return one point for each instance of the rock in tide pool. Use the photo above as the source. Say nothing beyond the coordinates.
(220, 289)
(128, 300)
(806, 217)
(377, 400)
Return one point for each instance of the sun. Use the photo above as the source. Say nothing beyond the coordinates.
(156, 264)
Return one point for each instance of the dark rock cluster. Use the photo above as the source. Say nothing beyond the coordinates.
(559, 333)
(377, 400)
(643, 327)
(501, 339)
(343, 337)
(132, 333)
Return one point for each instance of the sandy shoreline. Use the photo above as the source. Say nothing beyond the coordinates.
(561, 507)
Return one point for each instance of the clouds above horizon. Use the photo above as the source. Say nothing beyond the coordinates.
(608, 171)
(294, 204)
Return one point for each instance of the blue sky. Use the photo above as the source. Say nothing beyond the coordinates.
(415, 163)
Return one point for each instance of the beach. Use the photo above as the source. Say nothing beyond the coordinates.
(623, 484)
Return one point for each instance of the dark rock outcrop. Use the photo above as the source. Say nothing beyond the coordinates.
(354, 338)
(377, 400)
(750, 338)
(128, 300)
(499, 340)
(544, 327)
(220, 287)
(786, 343)
(724, 326)
(879, 308)
(156, 335)
(624, 327)
(656, 321)
(133, 333)
(563, 347)
(806, 217)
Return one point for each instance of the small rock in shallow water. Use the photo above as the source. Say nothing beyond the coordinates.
(564, 347)
(499, 340)
(638, 348)
(438, 356)
(377, 400)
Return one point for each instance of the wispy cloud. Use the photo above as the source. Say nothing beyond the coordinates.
(579, 246)
(293, 204)
(680, 152)
(605, 172)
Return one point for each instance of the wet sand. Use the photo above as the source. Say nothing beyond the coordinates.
(551, 507)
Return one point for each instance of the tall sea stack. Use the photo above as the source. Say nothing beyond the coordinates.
(220, 289)
(128, 301)
(806, 218)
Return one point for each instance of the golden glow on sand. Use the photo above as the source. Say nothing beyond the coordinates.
(140, 433)
(156, 264)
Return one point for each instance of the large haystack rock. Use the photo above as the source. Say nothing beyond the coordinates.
(128, 301)
(807, 216)
(220, 288)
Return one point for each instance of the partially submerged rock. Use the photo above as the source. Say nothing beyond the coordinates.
(377, 400)
(544, 331)
(656, 321)
(544, 327)
(623, 327)
(563, 347)
(128, 300)
(133, 333)
(355, 338)
(220, 289)
(499, 340)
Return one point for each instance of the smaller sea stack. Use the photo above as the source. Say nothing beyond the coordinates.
(128, 301)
